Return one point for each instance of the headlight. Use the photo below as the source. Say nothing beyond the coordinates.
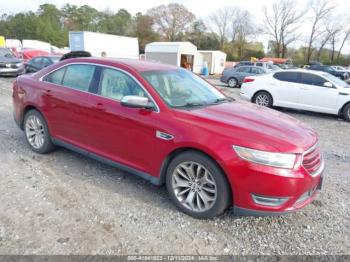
(281, 160)
(19, 64)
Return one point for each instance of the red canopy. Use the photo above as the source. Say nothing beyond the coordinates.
(275, 60)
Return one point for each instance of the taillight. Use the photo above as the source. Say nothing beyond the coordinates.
(248, 80)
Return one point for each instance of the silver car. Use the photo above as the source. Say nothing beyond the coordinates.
(234, 77)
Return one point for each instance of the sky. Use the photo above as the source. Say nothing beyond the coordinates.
(201, 8)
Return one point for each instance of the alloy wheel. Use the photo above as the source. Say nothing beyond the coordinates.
(262, 100)
(194, 186)
(232, 82)
(35, 132)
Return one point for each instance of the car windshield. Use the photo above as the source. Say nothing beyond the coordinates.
(4, 52)
(338, 82)
(180, 88)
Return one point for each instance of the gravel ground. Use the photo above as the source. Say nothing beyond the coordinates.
(64, 203)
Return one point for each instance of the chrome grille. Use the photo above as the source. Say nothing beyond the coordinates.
(313, 161)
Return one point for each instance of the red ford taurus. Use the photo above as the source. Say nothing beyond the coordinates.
(169, 126)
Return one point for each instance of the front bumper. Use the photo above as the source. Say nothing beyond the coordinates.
(245, 96)
(296, 187)
(12, 71)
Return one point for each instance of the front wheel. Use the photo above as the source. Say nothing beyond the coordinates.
(263, 98)
(197, 185)
(346, 112)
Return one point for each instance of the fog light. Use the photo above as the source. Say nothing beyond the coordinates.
(269, 201)
(306, 195)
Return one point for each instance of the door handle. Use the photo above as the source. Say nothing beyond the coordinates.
(48, 92)
(343, 94)
(100, 107)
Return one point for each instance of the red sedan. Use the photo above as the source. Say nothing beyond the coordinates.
(169, 126)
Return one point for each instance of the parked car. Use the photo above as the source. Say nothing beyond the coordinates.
(267, 65)
(343, 70)
(330, 70)
(300, 89)
(37, 63)
(10, 65)
(171, 127)
(244, 63)
(75, 54)
(28, 54)
(233, 77)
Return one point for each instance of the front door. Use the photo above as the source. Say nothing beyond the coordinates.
(314, 96)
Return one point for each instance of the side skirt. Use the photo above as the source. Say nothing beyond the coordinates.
(146, 176)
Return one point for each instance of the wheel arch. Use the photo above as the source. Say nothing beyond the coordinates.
(181, 150)
(25, 110)
(340, 112)
(261, 90)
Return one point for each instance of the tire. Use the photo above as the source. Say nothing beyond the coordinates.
(263, 98)
(232, 82)
(37, 132)
(346, 112)
(208, 187)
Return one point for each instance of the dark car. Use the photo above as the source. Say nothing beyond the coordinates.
(234, 76)
(10, 65)
(329, 70)
(171, 127)
(75, 54)
(37, 63)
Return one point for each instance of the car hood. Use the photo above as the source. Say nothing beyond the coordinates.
(253, 126)
(10, 60)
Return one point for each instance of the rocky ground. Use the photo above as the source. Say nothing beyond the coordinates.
(64, 203)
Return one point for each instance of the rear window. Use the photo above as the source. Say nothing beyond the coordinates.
(79, 76)
(287, 76)
(55, 77)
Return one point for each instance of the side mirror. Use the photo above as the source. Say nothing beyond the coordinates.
(328, 84)
(137, 102)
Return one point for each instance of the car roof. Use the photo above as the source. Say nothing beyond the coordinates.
(300, 70)
(138, 65)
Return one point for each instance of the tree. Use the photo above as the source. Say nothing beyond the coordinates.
(242, 27)
(171, 20)
(219, 23)
(119, 23)
(143, 30)
(345, 38)
(320, 11)
(84, 18)
(281, 24)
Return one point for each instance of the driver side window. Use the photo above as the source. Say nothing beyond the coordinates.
(115, 85)
(310, 79)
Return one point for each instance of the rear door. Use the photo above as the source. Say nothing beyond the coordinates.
(315, 96)
(68, 102)
(285, 87)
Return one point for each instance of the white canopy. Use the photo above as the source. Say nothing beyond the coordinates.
(171, 47)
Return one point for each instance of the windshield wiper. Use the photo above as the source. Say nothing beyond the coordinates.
(190, 104)
(220, 100)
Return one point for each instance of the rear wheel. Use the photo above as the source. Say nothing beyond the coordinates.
(232, 82)
(346, 112)
(263, 98)
(37, 132)
(197, 185)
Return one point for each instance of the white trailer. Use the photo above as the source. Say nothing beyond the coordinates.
(215, 60)
(182, 54)
(98, 44)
